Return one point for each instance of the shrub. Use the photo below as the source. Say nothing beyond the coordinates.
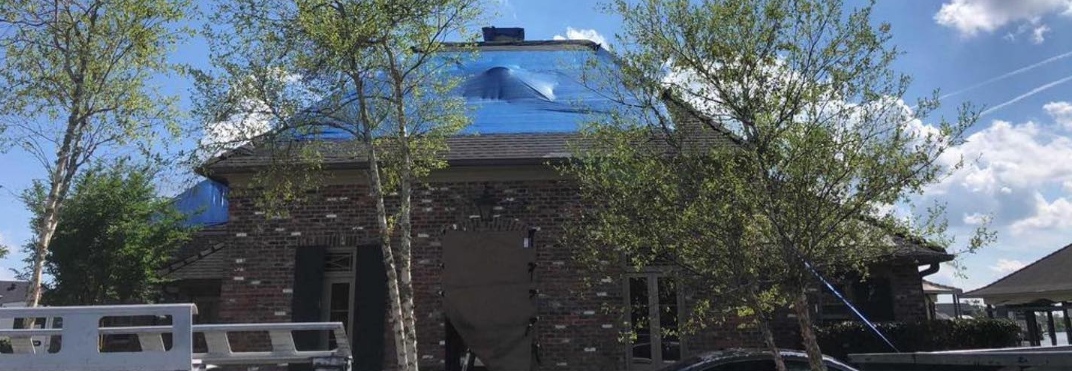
(841, 339)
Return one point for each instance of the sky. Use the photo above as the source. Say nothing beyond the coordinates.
(1012, 57)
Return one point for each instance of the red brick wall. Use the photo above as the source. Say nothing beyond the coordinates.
(575, 332)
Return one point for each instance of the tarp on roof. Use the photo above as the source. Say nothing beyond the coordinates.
(1046, 279)
(530, 87)
(204, 204)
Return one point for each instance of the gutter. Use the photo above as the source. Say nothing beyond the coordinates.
(931, 269)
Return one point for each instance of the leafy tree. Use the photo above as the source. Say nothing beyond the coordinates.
(76, 76)
(823, 150)
(115, 234)
(373, 70)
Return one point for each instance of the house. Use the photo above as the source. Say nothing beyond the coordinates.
(490, 271)
(932, 290)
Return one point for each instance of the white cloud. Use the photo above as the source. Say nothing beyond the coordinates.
(1048, 215)
(1038, 35)
(974, 219)
(583, 34)
(970, 17)
(1013, 173)
(1061, 113)
(1006, 266)
(1005, 157)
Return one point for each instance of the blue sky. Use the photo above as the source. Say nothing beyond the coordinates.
(1021, 151)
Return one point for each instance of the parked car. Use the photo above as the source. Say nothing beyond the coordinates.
(750, 360)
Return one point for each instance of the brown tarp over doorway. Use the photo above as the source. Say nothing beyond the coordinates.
(486, 295)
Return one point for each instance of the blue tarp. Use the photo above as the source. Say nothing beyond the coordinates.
(204, 204)
(517, 90)
(538, 90)
(533, 91)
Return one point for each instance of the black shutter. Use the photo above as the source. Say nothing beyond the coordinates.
(370, 308)
(308, 292)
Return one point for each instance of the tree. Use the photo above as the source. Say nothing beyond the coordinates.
(374, 71)
(661, 199)
(824, 152)
(77, 81)
(115, 234)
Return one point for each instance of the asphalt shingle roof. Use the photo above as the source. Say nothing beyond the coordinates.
(1045, 279)
(510, 148)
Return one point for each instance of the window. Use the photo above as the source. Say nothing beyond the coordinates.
(874, 298)
(653, 307)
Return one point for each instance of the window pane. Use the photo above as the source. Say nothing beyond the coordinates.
(340, 296)
(668, 318)
(338, 307)
(640, 319)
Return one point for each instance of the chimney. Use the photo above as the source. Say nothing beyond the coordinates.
(503, 35)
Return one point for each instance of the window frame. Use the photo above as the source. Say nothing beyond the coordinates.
(335, 277)
(653, 275)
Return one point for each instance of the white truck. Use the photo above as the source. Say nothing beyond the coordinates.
(1058, 358)
(79, 333)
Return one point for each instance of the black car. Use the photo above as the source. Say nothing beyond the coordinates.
(750, 360)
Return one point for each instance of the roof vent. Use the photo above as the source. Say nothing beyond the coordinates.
(503, 35)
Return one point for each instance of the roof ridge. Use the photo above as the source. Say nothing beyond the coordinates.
(1007, 276)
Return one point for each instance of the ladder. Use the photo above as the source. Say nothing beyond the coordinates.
(79, 334)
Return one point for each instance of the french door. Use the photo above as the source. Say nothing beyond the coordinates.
(653, 304)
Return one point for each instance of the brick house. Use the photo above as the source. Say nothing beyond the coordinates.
(321, 262)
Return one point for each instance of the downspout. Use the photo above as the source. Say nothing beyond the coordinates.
(932, 311)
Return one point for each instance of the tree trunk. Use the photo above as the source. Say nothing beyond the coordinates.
(807, 333)
(405, 252)
(405, 211)
(768, 338)
(60, 179)
(396, 317)
(46, 228)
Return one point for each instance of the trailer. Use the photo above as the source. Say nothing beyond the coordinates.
(168, 347)
(1003, 359)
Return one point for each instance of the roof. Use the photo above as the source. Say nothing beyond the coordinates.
(13, 291)
(518, 87)
(204, 204)
(201, 257)
(1046, 279)
(503, 148)
(919, 250)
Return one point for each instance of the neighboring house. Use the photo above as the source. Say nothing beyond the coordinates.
(490, 271)
(932, 290)
(12, 295)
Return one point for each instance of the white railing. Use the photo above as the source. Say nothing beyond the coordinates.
(281, 336)
(80, 338)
